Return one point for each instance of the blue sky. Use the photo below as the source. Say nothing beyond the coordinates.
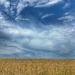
(37, 29)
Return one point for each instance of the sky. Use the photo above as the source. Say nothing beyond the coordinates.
(42, 29)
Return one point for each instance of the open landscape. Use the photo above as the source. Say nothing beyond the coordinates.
(36, 67)
(37, 37)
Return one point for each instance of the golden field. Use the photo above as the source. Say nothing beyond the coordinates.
(36, 67)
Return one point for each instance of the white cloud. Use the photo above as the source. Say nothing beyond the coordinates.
(57, 39)
(67, 13)
(2, 1)
(67, 4)
(67, 18)
(35, 3)
(49, 3)
(7, 4)
(21, 4)
(22, 19)
(47, 15)
(1, 17)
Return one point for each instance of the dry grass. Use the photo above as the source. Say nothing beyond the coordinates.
(36, 67)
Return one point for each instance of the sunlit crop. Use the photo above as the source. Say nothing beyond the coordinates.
(36, 67)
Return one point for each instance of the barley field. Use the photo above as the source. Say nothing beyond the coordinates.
(36, 67)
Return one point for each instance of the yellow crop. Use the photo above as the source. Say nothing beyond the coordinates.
(36, 67)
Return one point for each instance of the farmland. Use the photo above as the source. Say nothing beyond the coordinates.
(36, 67)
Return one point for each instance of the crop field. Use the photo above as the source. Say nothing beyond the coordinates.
(36, 67)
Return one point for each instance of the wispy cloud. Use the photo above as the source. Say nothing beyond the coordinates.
(35, 3)
(18, 18)
(67, 4)
(19, 5)
(67, 18)
(47, 15)
(49, 3)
